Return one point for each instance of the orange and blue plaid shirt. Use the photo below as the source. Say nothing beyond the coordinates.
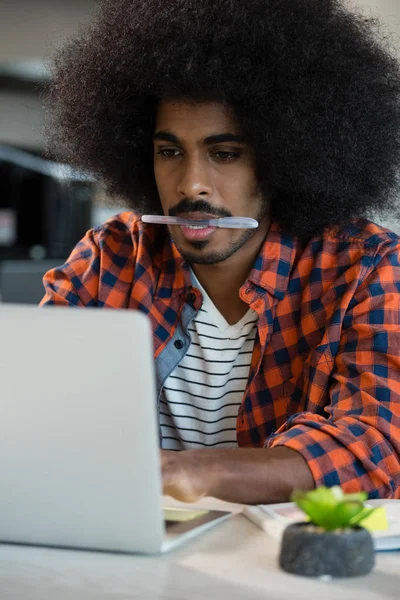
(325, 371)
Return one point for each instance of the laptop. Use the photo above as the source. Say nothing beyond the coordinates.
(79, 438)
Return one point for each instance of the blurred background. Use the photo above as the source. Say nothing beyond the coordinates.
(46, 209)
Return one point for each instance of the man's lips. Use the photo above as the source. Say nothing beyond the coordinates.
(196, 233)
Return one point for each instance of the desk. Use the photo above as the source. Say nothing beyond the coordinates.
(233, 561)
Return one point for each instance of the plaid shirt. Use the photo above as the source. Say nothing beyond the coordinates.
(325, 372)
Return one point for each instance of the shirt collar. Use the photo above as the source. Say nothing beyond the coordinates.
(272, 268)
(175, 278)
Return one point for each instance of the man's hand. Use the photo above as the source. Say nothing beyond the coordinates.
(242, 475)
(188, 475)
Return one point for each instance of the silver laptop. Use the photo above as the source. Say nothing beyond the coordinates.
(79, 443)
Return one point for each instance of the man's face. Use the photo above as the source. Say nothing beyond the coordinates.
(205, 169)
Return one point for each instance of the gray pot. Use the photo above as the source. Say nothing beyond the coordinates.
(307, 551)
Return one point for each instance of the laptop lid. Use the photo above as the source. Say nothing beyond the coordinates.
(79, 458)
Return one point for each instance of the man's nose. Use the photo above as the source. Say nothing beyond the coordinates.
(196, 180)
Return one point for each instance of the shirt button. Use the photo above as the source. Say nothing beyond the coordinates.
(248, 290)
(191, 298)
(179, 344)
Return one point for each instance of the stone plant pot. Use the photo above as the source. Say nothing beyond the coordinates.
(311, 551)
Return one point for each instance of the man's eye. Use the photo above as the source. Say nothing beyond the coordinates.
(168, 152)
(227, 156)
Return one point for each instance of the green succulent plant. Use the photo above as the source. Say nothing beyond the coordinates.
(331, 508)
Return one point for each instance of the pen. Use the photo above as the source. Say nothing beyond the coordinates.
(225, 222)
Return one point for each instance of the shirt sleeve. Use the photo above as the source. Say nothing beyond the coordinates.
(358, 445)
(75, 283)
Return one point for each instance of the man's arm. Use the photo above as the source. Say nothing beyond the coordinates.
(101, 268)
(357, 447)
(75, 283)
(242, 475)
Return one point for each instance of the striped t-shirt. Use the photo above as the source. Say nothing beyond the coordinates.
(202, 395)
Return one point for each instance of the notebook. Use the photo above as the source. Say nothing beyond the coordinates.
(274, 518)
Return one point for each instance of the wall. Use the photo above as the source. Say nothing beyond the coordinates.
(30, 29)
(388, 10)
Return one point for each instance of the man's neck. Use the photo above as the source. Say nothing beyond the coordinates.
(222, 281)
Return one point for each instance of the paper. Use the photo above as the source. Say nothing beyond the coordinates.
(182, 514)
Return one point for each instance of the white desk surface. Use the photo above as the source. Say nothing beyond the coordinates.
(235, 560)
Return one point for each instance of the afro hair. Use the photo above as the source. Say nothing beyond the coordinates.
(314, 86)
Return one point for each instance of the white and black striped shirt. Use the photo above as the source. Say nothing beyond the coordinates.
(202, 395)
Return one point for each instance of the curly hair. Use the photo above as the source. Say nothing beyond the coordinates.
(314, 87)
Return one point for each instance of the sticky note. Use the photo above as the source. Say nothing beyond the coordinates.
(182, 514)
(376, 521)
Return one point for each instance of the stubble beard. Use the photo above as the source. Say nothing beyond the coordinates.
(200, 257)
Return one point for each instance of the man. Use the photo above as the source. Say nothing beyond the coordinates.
(277, 349)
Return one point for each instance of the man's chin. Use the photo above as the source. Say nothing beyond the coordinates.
(203, 256)
(203, 253)
(198, 246)
(195, 248)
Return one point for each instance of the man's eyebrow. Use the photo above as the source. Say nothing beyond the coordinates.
(166, 136)
(217, 138)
